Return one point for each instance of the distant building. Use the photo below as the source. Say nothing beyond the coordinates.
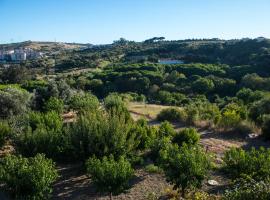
(20, 54)
(170, 61)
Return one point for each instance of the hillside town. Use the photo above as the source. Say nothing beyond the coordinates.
(20, 54)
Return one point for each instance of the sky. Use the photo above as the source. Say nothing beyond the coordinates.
(103, 21)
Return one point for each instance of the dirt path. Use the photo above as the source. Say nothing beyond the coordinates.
(75, 185)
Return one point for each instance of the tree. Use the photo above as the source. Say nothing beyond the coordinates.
(28, 178)
(15, 74)
(185, 167)
(110, 175)
(13, 101)
(203, 85)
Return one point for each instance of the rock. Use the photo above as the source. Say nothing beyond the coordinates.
(212, 182)
(252, 135)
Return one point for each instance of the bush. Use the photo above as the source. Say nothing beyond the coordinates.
(249, 190)
(254, 163)
(44, 134)
(110, 175)
(83, 102)
(4, 132)
(172, 115)
(28, 178)
(259, 109)
(230, 119)
(266, 127)
(151, 168)
(245, 127)
(188, 135)
(185, 167)
(147, 134)
(13, 101)
(166, 129)
(101, 134)
(54, 104)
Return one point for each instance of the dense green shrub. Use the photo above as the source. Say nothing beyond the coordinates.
(44, 134)
(254, 163)
(4, 132)
(259, 109)
(28, 178)
(166, 129)
(172, 115)
(266, 126)
(185, 167)
(99, 133)
(54, 104)
(249, 190)
(187, 135)
(146, 133)
(83, 102)
(110, 175)
(13, 101)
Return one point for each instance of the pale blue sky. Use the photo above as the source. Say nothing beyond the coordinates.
(102, 21)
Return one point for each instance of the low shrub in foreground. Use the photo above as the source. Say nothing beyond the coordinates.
(185, 167)
(249, 190)
(110, 175)
(28, 178)
(254, 163)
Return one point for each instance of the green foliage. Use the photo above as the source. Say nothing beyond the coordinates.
(259, 109)
(110, 175)
(28, 178)
(4, 132)
(232, 115)
(249, 189)
(172, 115)
(84, 102)
(203, 85)
(13, 101)
(254, 163)
(185, 167)
(188, 135)
(202, 111)
(99, 133)
(151, 168)
(54, 104)
(166, 129)
(44, 134)
(146, 133)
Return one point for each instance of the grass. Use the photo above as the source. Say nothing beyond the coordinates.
(148, 111)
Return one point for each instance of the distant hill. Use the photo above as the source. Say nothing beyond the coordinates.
(44, 46)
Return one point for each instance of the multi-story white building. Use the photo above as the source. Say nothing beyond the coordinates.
(20, 54)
